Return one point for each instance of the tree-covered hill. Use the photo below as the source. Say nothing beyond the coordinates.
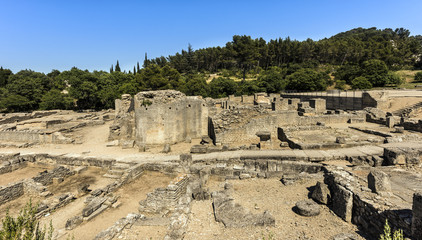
(359, 59)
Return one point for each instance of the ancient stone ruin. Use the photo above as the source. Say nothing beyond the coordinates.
(163, 165)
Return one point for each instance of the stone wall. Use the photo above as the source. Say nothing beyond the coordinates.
(333, 101)
(403, 154)
(168, 117)
(241, 125)
(159, 117)
(357, 204)
(165, 199)
(412, 124)
(417, 216)
(11, 192)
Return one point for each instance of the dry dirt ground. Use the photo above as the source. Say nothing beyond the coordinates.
(258, 195)
(30, 171)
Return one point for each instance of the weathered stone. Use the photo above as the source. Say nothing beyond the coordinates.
(342, 202)
(93, 205)
(244, 176)
(379, 181)
(206, 140)
(399, 129)
(198, 149)
(341, 140)
(127, 144)
(264, 136)
(307, 208)
(232, 214)
(73, 222)
(321, 193)
(417, 216)
(290, 179)
(345, 236)
(166, 148)
(97, 192)
(114, 143)
(200, 194)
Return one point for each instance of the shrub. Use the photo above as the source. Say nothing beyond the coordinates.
(24, 226)
(418, 76)
(361, 83)
(397, 235)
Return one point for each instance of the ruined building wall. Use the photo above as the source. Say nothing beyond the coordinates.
(241, 125)
(159, 117)
(170, 119)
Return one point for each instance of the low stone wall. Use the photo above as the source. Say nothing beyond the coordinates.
(403, 155)
(24, 136)
(163, 199)
(412, 124)
(12, 162)
(74, 160)
(230, 128)
(46, 177)
(417, 216)
(357, 204)
(11, 192)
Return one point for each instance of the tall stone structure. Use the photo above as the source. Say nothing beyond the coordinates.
(160, 117)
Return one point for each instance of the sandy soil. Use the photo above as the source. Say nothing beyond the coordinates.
(258, 195)
(395, 104)
(30, 171)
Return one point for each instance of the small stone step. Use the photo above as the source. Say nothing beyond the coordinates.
(120, 166)
(116, 172)
(107, 175)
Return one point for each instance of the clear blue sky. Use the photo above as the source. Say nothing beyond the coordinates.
(93, 34)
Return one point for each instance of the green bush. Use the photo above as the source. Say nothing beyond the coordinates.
(24, 226)
(361, 83)
(418, 76)
(397, 235)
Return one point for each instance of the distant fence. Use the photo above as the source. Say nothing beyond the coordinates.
(335, 99)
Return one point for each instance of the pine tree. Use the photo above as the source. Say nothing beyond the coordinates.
(117, 68)
(111, 69)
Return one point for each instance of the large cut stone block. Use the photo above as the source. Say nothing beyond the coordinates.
(342, 202)
(379, 181)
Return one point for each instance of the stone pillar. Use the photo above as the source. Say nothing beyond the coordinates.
(390, 122)
(417, 216)
(318, 104)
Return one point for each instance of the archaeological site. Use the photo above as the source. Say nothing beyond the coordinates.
(163, 165)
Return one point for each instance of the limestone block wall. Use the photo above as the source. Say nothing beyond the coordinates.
(168, 117)
(163, 199)
(11, 192)
(234, 131)
(350, 202)
(24, 136)
(417, 216)
(412, 124)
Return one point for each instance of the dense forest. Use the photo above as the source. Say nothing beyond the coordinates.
(357, 59)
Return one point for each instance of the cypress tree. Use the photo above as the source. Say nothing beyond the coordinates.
(111, 69)
(137, 67)
(134, 70)
(146, 61)
(117, 68)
